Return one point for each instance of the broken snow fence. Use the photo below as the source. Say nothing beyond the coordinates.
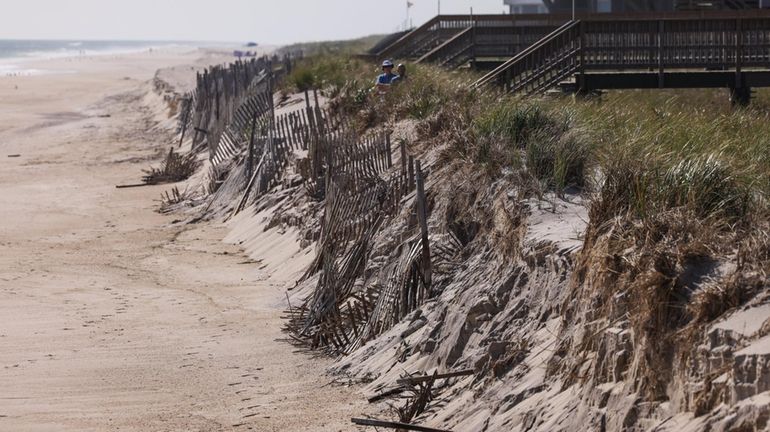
(232, 114)
(220, 90)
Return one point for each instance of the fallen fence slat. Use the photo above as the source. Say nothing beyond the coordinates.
(424, 378)
(387, 393)
(422, 217)
(133, 185)
(395, 425)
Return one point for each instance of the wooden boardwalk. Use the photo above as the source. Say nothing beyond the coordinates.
(453, 40)
(533, 53)
(728, 50)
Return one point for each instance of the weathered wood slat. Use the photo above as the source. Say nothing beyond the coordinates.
(395, 425)
(426, 378)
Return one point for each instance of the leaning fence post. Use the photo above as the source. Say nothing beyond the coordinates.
(661, 40)
(251, 144)
(411, 173)
(738, 52)
(389, 150)
(403, 156)
(422, 218)
(187, 108)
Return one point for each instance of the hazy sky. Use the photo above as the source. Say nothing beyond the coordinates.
(264, 21)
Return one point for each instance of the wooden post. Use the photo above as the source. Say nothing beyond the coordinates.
(270, 90)
(661, 36)
(411, 173)
(403, 156)
(422, 217)
(582, 68)
(389, 150)
(315, 98)
(738, 52)
(250, 165)
(185, 117)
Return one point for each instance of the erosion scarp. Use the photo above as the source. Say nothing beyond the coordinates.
(565, 295)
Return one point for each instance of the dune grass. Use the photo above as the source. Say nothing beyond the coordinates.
(674, 180)
(658, 151)
(637, 151)
(333, 48)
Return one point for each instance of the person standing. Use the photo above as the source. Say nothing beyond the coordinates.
(386, 79)
(401, 69)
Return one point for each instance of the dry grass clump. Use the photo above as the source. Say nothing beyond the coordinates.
(481, 215)
(543, 142)
(328, 73)
(215, 178)
(501, 135)
(642, 274)
(176, 167)
(333, 48)
(558, 161)
(749, 277)
(170, 200)
(680, 192)
(646, 186)
(678, 154)
(419, 397)
(429, 90)
(515, 121)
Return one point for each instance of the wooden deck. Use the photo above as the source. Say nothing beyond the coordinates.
(730, 50)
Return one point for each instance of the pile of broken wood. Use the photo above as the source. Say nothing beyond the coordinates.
(420, 391)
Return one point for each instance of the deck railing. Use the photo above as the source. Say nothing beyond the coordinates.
(672, 43)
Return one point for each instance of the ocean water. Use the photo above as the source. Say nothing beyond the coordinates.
(15, 53)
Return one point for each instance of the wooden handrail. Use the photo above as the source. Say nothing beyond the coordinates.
(559, 19)
(555, 56)
(486, 79)
(439, 19)
(614, 16)
(432, 52)
(402, 40)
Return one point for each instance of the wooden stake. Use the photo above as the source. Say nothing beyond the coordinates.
(422, 217)
(410, 168)
(403, 156)
(425, 378)
(394, 425)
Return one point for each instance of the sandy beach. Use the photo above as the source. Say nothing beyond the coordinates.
(115, 317)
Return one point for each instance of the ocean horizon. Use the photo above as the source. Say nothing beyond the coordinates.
(14, 53)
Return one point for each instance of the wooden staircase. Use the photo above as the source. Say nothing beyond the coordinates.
(416, 43)
(453, 52)
(452, 40)
(704, 49)
(542, 65)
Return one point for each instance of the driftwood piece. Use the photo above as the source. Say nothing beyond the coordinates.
(395, 425)
(246, 192)
(425, 378)
(126, 186)
(387, 393)
(422, 217)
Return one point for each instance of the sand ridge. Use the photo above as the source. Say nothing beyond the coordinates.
(115, 317)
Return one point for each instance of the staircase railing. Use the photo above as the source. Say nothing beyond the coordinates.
(653, 45)
(443, 27)
(543, 64)
(408, 39)
(450, 49)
